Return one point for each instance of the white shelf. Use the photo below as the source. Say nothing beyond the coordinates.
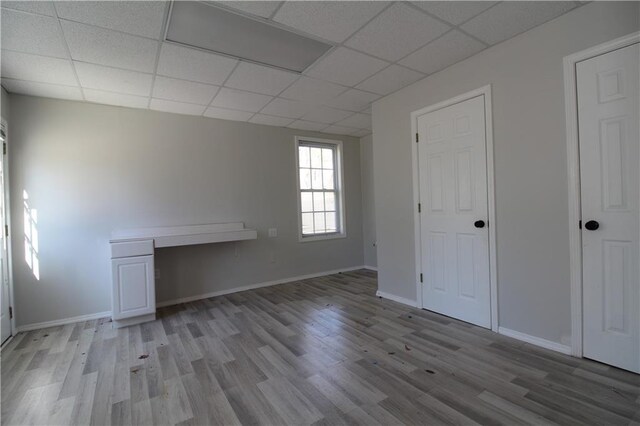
(173, 236)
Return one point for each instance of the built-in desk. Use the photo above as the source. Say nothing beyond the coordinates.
(132, 263)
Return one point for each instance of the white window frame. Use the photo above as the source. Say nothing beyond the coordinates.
(339, 177)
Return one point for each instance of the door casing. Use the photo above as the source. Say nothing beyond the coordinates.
(573, 172)
(484, 91)
(7, 206)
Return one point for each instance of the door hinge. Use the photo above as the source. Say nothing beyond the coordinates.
(417, 138)
(6, 231)
(580, 224)
(10, 312)
(4, 148)
(420, 276)
(419, 208)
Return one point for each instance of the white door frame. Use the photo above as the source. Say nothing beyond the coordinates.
(493, 268)
(7, 206)
(573, 171)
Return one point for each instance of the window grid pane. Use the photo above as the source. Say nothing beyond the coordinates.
(318, 194)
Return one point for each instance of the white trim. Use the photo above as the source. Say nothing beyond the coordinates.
(538, 341)
(63, 321)
(254, 286)
(493, 268)
(573, 172)
(398, 299)
(371, 268)
(7, 220)
(340, 187)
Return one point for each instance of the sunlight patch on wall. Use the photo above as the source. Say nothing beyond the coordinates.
(31, 236)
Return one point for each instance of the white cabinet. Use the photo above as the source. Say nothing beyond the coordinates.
(132, 272)
(133, 287)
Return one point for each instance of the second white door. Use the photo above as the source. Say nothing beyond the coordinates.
(454, 211)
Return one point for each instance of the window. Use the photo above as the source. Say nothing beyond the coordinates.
(320, 195)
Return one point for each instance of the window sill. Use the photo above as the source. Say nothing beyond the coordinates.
(321, 237)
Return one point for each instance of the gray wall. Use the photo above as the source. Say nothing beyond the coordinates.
(92, 169)
(368, 205)
(526, 74)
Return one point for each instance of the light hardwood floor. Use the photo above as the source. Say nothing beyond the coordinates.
(319, 351)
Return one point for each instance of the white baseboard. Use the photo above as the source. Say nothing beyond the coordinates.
(254, 286)
(63, 321)
(538, 341)
(371, 268)
(398, 299)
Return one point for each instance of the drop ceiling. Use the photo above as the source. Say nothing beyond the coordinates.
(114, 53)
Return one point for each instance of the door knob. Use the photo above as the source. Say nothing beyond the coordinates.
(479, 223)
(591, 225)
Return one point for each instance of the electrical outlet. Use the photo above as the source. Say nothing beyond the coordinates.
(273, 232)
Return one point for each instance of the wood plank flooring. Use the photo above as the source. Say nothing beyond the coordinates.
(319, 351)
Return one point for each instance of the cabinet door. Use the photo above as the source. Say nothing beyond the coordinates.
(133, 287)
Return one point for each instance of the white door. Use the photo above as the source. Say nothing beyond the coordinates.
(134, 291)
(454, 211)
(608, 95)
(5, 317)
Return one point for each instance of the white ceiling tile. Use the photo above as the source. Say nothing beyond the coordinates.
(117, 99)
(353, 100)
(390, 79)
(455, 12)
(307, 125)
(183, 91)
(346, 66)
(326, 115)
(256, 78)
(339, 130)
(397, 32)
(357, 121)
(287, 108)
(331, 20)
(360, 133)
(39, 7)
(113, 80)
(312, 90)
(439, 54)
(510, 18)
(195, 65)
(270, 120)
(143, 18)
(111, 48)
(44, 90)
(23, 66)
(37, 34)
(227, 114)
(176, 107)
(241, 100)
(264, 9)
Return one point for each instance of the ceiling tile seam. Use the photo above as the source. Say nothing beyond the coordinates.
(159, 48)
(215, 95)
(479, 13)
(66, 45)
(273, 14)
(28, 12)
(116, 68)
(575, 6)
(34, 54)
(453, 26)
(108, 29)
(40, 82)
